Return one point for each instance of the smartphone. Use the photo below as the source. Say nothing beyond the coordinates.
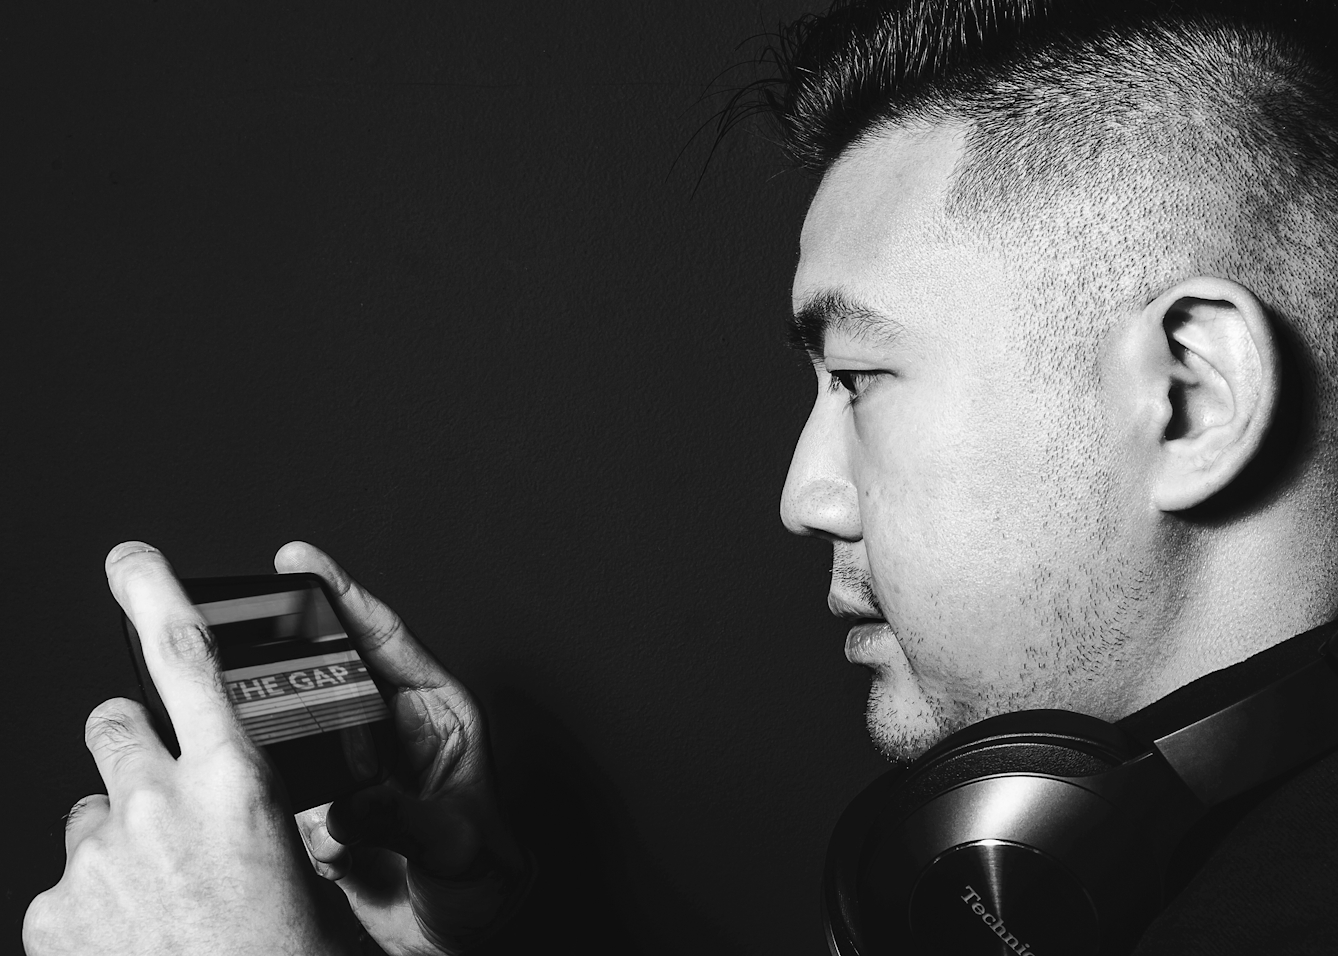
(295, 681)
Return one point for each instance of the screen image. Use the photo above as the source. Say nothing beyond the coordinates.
(289, 668)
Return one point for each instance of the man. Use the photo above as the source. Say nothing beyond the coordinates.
(1068, 286)
(1048, 316)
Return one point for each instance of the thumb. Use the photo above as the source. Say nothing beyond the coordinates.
(329, 858)
(438, 838)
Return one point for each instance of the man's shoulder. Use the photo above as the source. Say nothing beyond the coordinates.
(1264, 873)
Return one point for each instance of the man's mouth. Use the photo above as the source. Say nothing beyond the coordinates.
(867, 643)
(853, 599)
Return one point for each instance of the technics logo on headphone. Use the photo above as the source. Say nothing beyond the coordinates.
(995, 924)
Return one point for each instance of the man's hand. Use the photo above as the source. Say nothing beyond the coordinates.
(427, 864)
(189, 856)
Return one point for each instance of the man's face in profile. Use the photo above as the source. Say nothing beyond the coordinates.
(982, 519)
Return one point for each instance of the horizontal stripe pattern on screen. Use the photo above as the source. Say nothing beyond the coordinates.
(295, 698)
(253, 606)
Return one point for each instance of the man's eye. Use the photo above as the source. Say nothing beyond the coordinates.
(851, 381)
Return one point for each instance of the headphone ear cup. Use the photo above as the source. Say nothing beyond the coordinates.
(861, 918)
(1057, 743)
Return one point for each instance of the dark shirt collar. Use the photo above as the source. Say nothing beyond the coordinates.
(1212, 692)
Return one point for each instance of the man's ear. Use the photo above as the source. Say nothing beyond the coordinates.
(1220, 387)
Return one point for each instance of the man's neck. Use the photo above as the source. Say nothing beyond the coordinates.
(1255, 586)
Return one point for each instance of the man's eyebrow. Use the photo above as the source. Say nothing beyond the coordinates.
(806, 330)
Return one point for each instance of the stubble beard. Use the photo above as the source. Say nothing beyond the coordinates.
(902, 734)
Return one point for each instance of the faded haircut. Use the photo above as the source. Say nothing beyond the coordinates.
(1111, 149)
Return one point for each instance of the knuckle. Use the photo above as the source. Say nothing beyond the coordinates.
(191, 642)
(40, 922)
(340, 581)
(84, 865)
(82, 806)
(145, 809)
(111, 724)
(112, 734)
(382, 628)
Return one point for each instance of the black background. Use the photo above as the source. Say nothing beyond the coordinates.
(421, 283)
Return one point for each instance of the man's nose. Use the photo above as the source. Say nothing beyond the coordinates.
(819, 497)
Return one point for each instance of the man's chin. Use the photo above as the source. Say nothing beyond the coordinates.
(903, 725)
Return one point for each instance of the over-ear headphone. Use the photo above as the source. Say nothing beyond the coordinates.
(1048, 833)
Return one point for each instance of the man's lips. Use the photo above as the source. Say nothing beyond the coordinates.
(867, 643)
(868, 638)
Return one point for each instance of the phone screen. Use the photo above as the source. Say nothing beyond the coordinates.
(289, 667)
(296, 682)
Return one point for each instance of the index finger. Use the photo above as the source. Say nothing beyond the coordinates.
(179, 649)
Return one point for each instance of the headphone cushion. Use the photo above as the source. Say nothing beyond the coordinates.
(1055, 742)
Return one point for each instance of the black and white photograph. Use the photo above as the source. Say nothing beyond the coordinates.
(766, 477)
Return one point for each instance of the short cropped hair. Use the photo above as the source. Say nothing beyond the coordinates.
(1111, 148)
(865, 63)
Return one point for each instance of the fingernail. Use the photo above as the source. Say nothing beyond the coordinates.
(320, 837)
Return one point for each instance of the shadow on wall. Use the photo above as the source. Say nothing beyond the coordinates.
(565, 808)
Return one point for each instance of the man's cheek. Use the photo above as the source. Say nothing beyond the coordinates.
(953, 616)
(927, 555)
